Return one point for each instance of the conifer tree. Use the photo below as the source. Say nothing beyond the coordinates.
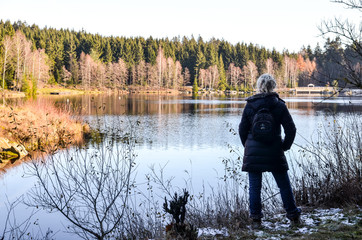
(211, 55)
(195, 87)
(222, 77)
(200, 62)
(139, 52)
(107, 53)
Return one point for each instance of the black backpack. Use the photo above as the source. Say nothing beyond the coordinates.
(263, 127)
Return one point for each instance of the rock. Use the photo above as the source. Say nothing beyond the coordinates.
(11, 151)
(19, 150)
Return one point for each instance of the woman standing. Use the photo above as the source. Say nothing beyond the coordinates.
(265, 153)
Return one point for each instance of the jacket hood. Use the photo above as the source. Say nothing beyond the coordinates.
(268, 99)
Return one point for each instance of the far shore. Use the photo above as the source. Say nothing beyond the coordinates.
(313, 91)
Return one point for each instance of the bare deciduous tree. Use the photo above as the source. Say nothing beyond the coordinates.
(186, 77)
(350, 35)
(202, 78)
(250, 71)
(178, 77)
(161, 65)
(41, 67)
(290, 71)
(233, 75)
(270, 66)
(19, 40)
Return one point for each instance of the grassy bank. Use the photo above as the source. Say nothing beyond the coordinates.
(61, 91)
(11, 94)
(39, 126)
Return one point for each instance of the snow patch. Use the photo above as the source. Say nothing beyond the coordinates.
(212, 232)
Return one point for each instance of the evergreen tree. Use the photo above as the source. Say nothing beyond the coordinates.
(8, 29)
(150, 52)
(128, 53)
(222, 77)
(139, 52)
(277, 57)
(195, 87)
(70, 57)
(200, 62)
(107, 53)
(210, 55)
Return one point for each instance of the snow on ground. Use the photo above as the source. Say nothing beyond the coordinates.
(279, 223)
(212, 232)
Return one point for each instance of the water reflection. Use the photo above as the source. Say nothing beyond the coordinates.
(179, 122)
(183, 121)
(175, 121)
(134, 104)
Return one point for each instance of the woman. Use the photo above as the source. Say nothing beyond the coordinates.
(261, 156)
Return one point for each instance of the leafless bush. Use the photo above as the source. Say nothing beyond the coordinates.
(330, 166)
(89, 187)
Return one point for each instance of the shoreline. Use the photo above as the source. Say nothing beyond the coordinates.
(187, 90)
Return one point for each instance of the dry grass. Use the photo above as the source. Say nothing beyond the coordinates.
(330, 167)
(40, 126)
(11, 94)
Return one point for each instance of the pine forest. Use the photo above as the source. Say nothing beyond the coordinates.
(31, 58)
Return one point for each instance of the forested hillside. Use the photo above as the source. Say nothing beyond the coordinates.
(32, 57)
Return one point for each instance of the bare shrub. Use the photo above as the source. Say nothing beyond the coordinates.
(330, 166)
(90, 187)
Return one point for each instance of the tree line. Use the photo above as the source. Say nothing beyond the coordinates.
(32, 57)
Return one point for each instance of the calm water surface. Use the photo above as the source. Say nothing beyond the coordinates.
(186, 136)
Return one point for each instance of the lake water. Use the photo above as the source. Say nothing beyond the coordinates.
(187, 137)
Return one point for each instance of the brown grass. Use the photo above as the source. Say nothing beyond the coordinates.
(40, 126)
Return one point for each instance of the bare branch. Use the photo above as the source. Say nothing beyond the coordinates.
(352, 4)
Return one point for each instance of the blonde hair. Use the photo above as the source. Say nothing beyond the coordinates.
(266, 83)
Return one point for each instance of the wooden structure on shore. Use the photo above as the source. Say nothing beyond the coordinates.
(313, 90)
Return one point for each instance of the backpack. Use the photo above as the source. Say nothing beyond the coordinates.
(263, 127)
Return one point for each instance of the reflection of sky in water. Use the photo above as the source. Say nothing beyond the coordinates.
(188, 137)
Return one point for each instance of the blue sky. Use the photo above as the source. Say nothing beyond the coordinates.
(280, 24)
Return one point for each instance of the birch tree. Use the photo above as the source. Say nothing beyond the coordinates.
(251, 73)
(41, 67)
(19, 40)
(186, 77)
(270, 66)
(290, 71)
(234, 75)
(7, 43)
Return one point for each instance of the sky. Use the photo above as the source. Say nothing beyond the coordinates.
(280, 24)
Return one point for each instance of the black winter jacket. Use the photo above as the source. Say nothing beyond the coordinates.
(259, 156)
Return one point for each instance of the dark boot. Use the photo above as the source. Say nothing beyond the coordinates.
(295, 222)
(256, 224)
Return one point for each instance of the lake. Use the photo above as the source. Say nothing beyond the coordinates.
(186, 137)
